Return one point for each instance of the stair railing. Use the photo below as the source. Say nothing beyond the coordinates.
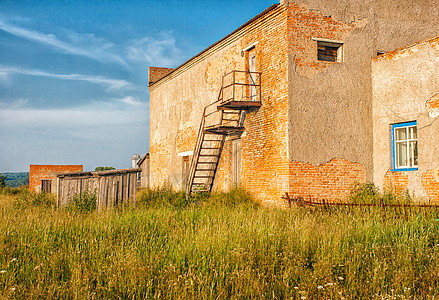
(254, 81)
(199, 144)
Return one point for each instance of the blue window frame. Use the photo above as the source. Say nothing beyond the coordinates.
(405, 146)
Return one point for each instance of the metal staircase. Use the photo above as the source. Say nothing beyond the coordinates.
(240, 91)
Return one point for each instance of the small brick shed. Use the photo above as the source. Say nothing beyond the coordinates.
(43, 177)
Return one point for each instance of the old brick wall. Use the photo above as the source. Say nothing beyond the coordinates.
(315, 125)
(155, 73)
(178, 101)
(430, 182)
(331, 181)
(396, 182)
(328, 121)
(37, 173)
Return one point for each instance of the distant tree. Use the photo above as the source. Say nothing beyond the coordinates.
(104, 168)
(2, 181)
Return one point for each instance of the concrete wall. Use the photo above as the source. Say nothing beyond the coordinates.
(330, 103)
(406, 88)
(37, 173)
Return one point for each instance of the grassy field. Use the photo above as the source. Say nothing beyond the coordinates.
(221, 247)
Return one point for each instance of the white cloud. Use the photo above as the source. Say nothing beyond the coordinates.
(129, 100)
(112, 84)
(15, 104)
(83, 45)
(96, 114)
(161, 51)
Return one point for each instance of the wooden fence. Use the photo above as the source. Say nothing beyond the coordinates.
(111, 187)
(399, 209)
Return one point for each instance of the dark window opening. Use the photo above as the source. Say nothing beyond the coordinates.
(329, 51)
(46, 186)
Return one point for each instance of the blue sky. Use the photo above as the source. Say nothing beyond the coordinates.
(73, 74)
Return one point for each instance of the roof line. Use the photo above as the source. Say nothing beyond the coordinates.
(406, 47)
(219, 41)
(98, 173)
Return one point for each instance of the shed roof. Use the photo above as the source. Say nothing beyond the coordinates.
(143, 159)
(99, 173)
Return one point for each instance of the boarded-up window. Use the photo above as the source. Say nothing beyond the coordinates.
(327, 51)
(46, 186)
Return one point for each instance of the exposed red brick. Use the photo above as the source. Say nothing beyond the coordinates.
(156, 73)
(37, 173)
(430, 182)
(396, 181)
(331, 181)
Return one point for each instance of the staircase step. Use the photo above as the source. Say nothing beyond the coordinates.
(207, 162)
(225, 130)
(204, 170)
(210, 148)
(199, 191)
(213, 130)
(209, 155)
(239, 105)
(202, 176)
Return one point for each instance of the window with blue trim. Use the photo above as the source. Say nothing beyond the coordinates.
(405, 146)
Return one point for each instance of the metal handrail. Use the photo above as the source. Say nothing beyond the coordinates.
(221, 100)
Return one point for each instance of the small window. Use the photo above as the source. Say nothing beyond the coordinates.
(329, 51)
(405, 146)
(46, 186)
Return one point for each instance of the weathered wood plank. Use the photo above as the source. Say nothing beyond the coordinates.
(111, 188)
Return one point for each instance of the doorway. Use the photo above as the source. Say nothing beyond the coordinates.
(252, 77)
(236, 162)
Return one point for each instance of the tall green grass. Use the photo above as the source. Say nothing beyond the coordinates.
(217, 247)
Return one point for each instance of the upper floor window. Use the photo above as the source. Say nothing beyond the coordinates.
(405, 146)
(329, 51)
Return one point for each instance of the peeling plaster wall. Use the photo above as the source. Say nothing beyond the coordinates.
(315, 115)
(405, 88)
(330, 112)
(176, 111)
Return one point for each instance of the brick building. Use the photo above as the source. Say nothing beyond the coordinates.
(43, 177)
(298, 116)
